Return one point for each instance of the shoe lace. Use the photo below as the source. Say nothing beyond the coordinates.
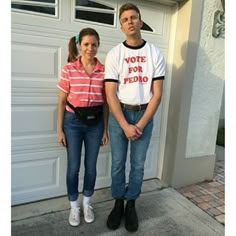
(89, 211)
(75, 213)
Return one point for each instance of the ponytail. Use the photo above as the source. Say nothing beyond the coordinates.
(73, 50)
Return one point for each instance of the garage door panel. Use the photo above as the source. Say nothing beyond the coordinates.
(34, 96)
(36, 174)
(26, 143)
(28, 120)
(43, 48)
(30, 84)
(34, 168)
(24, 54)
(36, 65)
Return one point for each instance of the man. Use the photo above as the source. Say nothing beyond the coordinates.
(134, 72)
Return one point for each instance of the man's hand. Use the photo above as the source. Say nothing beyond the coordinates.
(132, 132)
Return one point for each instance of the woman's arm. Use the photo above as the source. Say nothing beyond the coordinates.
(62, 96)
(105, 137)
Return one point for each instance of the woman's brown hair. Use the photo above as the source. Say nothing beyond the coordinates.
(72, 46)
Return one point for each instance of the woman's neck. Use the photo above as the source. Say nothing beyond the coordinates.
(88, 65)
(88, 62)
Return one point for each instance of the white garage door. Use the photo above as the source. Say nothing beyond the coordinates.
(40, 35)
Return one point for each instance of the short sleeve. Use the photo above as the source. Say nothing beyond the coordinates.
(64, 83)
(159, 65)
(111, 67)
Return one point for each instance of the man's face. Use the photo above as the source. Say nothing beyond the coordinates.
(130, 22)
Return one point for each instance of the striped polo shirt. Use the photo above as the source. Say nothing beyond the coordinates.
(83, 90)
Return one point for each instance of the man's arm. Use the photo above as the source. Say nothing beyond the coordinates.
(152, 105)
(131, 131)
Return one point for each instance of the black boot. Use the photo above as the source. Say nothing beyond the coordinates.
(131, 219)
(114, 219)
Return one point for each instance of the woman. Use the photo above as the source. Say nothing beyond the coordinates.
(81, 87)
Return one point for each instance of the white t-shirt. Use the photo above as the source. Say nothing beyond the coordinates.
(134, 69)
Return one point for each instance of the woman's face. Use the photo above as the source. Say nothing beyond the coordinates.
(88, 47)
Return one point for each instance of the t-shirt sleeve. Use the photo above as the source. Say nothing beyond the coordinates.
(64, 83)
(159, 66)
(111, 67)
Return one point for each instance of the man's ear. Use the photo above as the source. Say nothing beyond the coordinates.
(141, 24)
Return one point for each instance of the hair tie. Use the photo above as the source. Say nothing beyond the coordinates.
(77, 38)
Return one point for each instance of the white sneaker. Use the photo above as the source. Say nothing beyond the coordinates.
(74, 217)
(88, 214)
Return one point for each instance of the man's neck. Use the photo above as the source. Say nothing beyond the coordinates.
(134, 42)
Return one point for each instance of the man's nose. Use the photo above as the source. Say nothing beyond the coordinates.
(130, 20)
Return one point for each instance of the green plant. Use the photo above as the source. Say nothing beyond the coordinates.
(221, 137)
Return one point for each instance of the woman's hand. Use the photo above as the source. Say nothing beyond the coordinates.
(105, 139)
(61, 138)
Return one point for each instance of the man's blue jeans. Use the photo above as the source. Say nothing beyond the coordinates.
(76, 134)
(138, 151)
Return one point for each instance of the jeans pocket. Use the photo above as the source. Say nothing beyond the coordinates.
(69, 116)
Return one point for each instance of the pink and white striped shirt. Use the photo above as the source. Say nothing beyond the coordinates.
(83, 90)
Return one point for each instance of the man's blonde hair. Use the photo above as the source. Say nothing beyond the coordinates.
(129, 6)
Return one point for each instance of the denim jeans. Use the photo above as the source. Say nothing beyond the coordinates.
(76, 134)
(138, 149)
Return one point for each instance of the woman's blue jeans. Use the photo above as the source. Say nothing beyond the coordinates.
(138, 150)
(76, 134)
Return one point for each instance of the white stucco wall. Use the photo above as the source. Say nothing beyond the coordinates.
(207, 88)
